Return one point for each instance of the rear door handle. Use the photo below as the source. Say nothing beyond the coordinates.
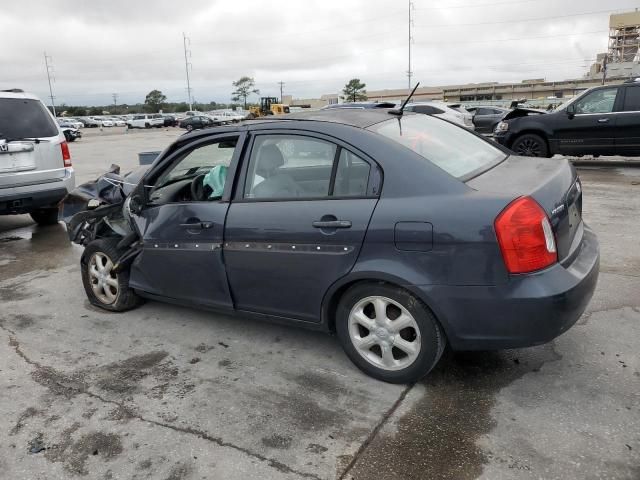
(332, 224)
(603, 120)
(194, 225)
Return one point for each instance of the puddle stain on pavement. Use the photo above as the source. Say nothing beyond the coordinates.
(436, 437)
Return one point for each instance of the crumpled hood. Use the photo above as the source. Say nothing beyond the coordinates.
(522, 112)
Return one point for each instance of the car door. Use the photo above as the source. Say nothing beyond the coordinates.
(628, 123)
(587, 126)
(181, 257)
(483, 120)
(297, 222)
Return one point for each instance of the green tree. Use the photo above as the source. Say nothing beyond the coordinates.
(244, 88)
(354, 90)
(154, 100)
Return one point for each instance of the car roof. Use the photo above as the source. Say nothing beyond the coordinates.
(361, 118)
(17, 93)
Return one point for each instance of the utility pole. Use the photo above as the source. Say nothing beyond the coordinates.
(49, 68)
(115, 101)
(187, 65)
(409, 72)
(281, 86)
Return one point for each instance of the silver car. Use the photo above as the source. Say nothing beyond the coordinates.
(35, 163)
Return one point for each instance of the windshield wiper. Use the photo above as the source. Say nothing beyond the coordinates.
(21, 139)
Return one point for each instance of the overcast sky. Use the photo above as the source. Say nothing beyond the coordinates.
(130, 47)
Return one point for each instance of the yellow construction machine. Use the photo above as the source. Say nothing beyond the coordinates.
(268, 106)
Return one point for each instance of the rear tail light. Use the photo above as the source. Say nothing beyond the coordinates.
(525, 236)
(66, 156)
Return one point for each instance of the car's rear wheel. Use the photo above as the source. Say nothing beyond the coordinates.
(104, 287)
(530, 145)
(147, 125)
(46, 216)
(189, 128)
(388, 333)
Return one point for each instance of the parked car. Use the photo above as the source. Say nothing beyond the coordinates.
(35, 164)
(602, 120)
(70, 123)
(196, 122)
(91, 122)
(118, 122)
(106, 122)
(401, 233)
(359, 105)
(454, 113)
(146, 121)
(71, 134)
(486, 118)
(170, 120)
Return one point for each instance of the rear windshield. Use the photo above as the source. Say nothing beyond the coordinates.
(22, 118)
(452, 148)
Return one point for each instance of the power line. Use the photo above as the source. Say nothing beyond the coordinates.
(187, 65)
(409, 72)
(49, 68)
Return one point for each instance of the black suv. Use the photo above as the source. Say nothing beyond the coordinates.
(600, 121)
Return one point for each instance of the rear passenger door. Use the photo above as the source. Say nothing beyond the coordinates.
(297, 222)
(628, 123)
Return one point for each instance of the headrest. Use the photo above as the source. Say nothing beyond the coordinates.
(269, 158)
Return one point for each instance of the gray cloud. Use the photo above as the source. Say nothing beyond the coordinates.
(131, 47)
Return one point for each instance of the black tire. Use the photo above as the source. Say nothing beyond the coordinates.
(431, 338)
(46, 216)
(189, 128)
(125, 298)
(530, 145)
(147, 125)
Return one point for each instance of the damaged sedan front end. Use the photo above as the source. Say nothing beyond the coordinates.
(100, 209)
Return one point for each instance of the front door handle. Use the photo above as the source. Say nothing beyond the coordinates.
(195, 225)
(603, 120)
(332, 224)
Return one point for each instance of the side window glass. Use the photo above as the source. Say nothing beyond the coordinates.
(600, 101)
(632, 99)
(289, 166)
(205, 165)
(436, 111)
(352, 176)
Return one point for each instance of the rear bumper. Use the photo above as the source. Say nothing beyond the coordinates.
(529, 310)
(29, 197)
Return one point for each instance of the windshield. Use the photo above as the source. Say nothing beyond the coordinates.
(25, 118)
(452, 148)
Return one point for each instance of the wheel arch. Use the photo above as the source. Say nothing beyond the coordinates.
(337, 290)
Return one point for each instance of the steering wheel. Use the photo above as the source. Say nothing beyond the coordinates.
(197, 188)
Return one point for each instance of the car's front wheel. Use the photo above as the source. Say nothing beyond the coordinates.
(388, 333)
(530, 145)
(104, 287)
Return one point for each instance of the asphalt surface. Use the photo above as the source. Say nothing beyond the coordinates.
(166, 392)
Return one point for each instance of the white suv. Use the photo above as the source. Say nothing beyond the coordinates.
(146, 121)
(35, 164)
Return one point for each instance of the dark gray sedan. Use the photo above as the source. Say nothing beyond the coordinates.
(400, 233)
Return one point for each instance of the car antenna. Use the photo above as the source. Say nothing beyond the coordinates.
(400, 111)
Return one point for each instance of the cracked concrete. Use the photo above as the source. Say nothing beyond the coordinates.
(166, 392)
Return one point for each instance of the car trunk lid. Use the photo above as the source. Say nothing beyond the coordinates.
(554, 184)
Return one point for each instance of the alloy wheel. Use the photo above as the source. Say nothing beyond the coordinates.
(384, 333)
(528, 147)
(104, 282)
